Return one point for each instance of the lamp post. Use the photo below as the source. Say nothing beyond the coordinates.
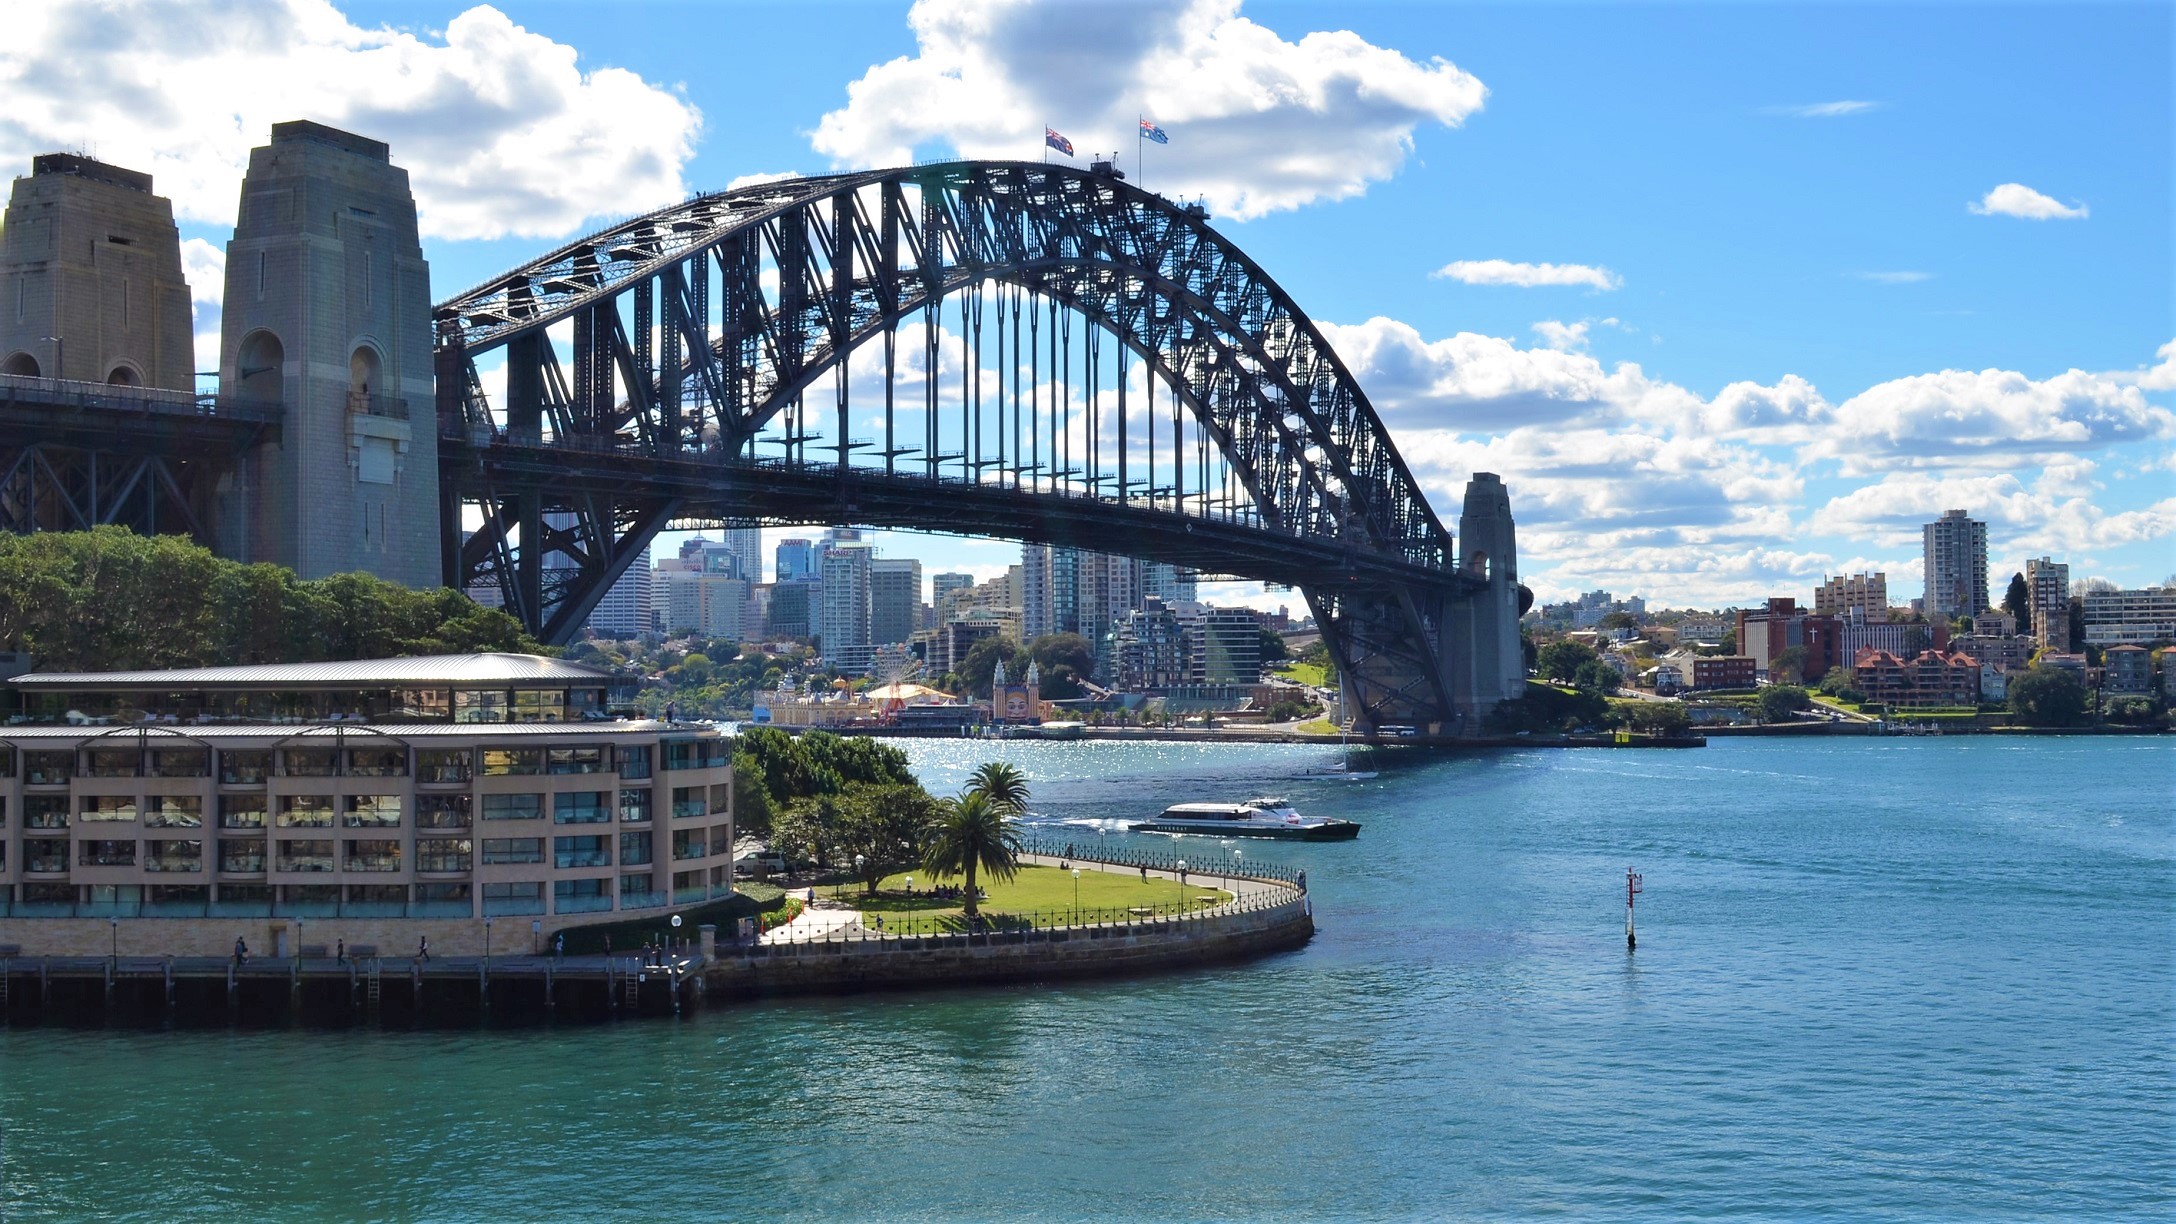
(1238, 857)
(1182, 887)
(114, 924)
(858, 861)
(487, 945)
(1076, 896)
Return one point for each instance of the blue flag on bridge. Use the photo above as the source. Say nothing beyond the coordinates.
(1150, 131)
(1055, 141)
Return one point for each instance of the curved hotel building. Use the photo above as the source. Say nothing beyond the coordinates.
(373, 802)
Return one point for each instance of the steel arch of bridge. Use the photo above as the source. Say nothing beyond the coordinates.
(700, 333)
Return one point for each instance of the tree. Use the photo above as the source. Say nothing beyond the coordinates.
(1652, 717)
(1064, 659)
(1273, 647)
(2048, 697)
(1596, 676)
(1917, 640)
(1779, 701)
(980, 663)
(1003, 785)
(972, 834)
(1788, 667)
(1619, 620)
(1562, 659)
(886, 827)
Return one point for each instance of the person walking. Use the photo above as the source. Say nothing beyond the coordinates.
(559, 947)
(423, 949)
(241, 952)
(340, 952)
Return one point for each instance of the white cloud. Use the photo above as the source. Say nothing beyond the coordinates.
(205, 267)
(1526, 275)
(2160, 377)
(1826, 110)
(1894, 278)
(500, 130)
(1257, 124)
(1992, 418)
(1563, 337)
(2018, 200)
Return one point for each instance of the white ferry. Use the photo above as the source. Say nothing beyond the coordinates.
(1262, 817)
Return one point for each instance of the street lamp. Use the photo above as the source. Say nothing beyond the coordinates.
(487, 945)
(858, 861)
(1182, 887)
(115, 925)
(1076, 896)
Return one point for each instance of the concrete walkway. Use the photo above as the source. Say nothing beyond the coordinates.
(814, 924)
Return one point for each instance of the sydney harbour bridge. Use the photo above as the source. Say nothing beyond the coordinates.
(1004, 349)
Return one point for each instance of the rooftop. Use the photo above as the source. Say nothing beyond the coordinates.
(480, 670)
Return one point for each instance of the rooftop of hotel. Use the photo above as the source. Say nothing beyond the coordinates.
(456, 669)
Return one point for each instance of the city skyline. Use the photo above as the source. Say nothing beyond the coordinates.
(1784, 337)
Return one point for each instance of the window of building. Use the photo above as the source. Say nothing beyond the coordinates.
(442, 811)
(454, 897)
(46, 854)
(635, 805)
(635, 849)
(112, 763)
(585, 851)
(635, 763)
(106, 853)
(681, 754)
(639, 892)
(241, 855)
(721, 796)
(176, 900)
(503, 762)
(174, 855)
(579, 807)
(514, 897)
(241, 811)
(309, 762)
(378, 762)
(45, 811)
(173, 812)
(373, 855)
(240, 768)
(583, 703)
(513, 850)
(366, 900)
(47, 768)
(179, 763)
(540, 705)
(372, 812)
(479, 705)
(97, 808)
(514, 807)
(307, 899)
(305, 856)
(690, 801)
(445, 765)
(434, 705)
(577, 760)
(581, 896)
(688, 844)
(305, 811)
(245, 898)
(7, 762)
(442, 854)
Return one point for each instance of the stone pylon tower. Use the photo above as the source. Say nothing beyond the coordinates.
(1487, 664)
(90, 278)
(328, 312)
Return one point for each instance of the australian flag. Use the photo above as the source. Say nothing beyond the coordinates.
(1055, 141)
(1150, 131)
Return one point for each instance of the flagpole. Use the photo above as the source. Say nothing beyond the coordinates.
(1140, 152)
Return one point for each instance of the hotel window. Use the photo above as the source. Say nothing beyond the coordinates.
(386, 899)
(513, 807)
(375, 855)
(241, 811)
(378, 762)
(690, 801)
(174, 855)
(45, 811)
(590, 851)
(47, 768)
(305, 856)
(372, 812)
(576, 760)
(514, 897)
(682, 754)
(178, 763)
(584, 703)
(635, 763)
(635, 805)
(241, 855)
(110, 808)
(321, 899)
(634, 849)
(442, 811)
(309, 762)
(581, 896)
(513, 850)
(540, 705)
(721, 797)
(579, 807)
(443, 894)
(637, 890)
(112, 763)
(506, 762)
(688, 844)
(479, 705)
(173, 812)
(305, 811)
(441, 765)
(106, 853)
(7, 762)
(48, 854)
(436, 705)
(243, 768)
(442, 854)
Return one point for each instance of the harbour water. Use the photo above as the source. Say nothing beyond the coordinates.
(1923, 978)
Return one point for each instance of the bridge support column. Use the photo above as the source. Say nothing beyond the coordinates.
(1485, 661)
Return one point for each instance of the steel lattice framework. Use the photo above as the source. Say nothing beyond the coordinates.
(709, 345)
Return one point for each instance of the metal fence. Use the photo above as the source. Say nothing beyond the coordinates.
(896, 933)
(1204, 859)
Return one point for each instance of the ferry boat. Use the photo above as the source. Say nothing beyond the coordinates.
(1262, 817)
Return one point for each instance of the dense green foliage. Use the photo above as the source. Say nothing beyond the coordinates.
(1651, 717)
(1273, 646)
(1062, 660)
(109, 599)
(975, 832)
(2047, 697)
(701, 677)
(2017, 601)
(1549, 710)
(1779, 701)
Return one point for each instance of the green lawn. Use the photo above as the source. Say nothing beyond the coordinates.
(1305, 673)
(1043, 893)
(1320, 726)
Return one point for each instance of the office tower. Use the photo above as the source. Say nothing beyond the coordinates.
(328, 312)
(1956, 565)
(796, 561)
(624, 612)
(895, 599)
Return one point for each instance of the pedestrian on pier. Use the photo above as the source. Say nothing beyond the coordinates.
(608, 949)
(559, 947)
(241, 952)
(1303, 879)
(340, 952)
(423, 949)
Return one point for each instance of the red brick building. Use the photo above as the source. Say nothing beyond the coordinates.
(1725, 672)
(1766, 635)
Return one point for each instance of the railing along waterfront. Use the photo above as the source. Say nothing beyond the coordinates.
(1042, 922)
(1202, 859)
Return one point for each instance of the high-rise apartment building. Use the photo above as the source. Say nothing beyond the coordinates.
(1231, 646)
(1868, 594)
(895, 599)
(624, 612)
(843, 622)
(1955, 548)
(1036, 609)
(2047, 595)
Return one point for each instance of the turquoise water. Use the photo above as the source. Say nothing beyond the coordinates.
(1923, 978)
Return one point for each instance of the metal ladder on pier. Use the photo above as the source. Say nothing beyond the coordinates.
(373, 986)
(634, 988)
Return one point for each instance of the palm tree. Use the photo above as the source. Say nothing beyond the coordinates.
(1003, 785)
(973, 833)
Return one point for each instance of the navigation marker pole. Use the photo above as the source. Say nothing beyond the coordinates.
(1634, 885)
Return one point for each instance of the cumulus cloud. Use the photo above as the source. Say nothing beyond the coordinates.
(2160, 377)
(205, 268)
(2018, 200)
(1563, 337)
(500, 130)
(1526, 275)
(1826, 110)
(1257, 123)
(1991, 418)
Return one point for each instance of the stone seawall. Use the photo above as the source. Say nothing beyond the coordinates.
(849, 965)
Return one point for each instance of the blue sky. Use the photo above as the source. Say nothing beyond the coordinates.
(1800, 324)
